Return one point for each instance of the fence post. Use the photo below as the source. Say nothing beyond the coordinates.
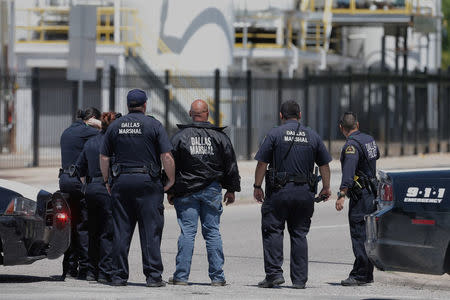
(448, 113)
(35, 95)
(416, 117)
(404, 106)
(306, 96)
(369, 109)
(166, 99)
(279, 93)
(426, 128)
(439, 113)
(330, 105)
(217, 97)
(385, 96)
(74, 100)
(249, 115)
(350, 105)
(112, 88)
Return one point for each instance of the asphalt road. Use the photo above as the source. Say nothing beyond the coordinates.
(330, 260)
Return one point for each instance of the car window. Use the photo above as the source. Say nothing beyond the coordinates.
(5, 198)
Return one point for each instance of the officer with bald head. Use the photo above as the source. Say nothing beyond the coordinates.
(205, 164)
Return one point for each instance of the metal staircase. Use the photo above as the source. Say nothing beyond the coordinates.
(154, 81)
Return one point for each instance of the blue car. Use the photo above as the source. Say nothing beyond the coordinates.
(410, 231)
(34, 224)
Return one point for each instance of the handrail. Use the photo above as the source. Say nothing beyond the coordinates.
(105, 30)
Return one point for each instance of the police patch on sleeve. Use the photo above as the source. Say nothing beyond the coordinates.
(350, 150)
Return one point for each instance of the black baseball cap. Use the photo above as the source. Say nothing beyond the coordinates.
(136, 97)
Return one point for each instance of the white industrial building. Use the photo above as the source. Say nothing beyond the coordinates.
(198, 36)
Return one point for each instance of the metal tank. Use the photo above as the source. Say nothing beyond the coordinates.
(178, 35)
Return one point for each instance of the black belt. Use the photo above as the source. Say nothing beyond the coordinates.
(118, 169)
(134, 170)
(297, 178)
(97, 180)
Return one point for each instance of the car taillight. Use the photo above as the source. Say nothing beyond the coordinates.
(21, 207)
(61, 217)
(386, 194)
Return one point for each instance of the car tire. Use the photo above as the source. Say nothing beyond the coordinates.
(1, 251)
(447, 260)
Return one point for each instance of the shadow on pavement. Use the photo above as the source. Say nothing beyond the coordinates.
(330, 262)
(26, 278)
(256, 286)
(200, 283)
(137, 284)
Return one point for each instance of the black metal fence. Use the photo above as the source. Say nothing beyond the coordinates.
(407, 113)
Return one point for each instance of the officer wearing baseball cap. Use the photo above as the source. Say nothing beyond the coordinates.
(139, 145)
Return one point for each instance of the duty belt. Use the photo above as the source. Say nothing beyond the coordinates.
(286, 177)
(98, 179)
(71, 171)
(118, 169)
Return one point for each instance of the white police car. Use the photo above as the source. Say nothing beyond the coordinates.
(34, 224)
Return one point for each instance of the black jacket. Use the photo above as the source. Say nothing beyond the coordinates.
(203, 154)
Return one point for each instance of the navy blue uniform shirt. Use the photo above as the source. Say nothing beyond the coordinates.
(136, 140)
(88, 162)
(307, 149)
(72, 142)
(358, 146)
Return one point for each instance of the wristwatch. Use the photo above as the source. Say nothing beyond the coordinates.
(257, 186)
(341, 194)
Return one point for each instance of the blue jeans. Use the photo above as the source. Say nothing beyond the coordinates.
(206, 204)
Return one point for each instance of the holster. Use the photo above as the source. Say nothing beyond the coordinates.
(314, 183)
(373, 185)
(71, 171)
(272, 180)
(369, 183)
(115, 170)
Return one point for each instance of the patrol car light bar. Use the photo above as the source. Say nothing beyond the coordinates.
(21, 206)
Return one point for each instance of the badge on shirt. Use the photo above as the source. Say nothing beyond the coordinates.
(350, 150)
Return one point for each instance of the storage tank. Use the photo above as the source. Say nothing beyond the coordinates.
(195, 36)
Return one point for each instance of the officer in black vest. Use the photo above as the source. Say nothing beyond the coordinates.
(75, 261)
(99, 206)
(139, 144)
(291, 150)
(359, 183)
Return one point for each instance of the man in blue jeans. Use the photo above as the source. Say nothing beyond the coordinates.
(205, 163)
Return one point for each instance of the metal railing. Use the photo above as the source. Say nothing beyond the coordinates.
(310, 29)
(51, 25)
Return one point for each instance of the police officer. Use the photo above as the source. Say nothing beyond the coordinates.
(99, 206)
(205, 164)
(139, 144)
(291, 150)
(358, 161)
(75, 261)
